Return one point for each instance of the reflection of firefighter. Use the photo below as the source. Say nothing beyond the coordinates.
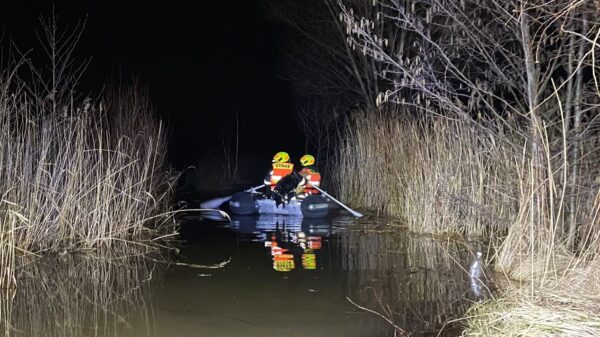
(309, 260)
(282, 261)
(314, 242)
(299, 243)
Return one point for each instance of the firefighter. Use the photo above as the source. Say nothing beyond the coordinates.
(311, 177)
(281, 167)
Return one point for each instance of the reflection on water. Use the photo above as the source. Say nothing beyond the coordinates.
(291, 241)
(79, 296)
(286, 277)
(419, 283)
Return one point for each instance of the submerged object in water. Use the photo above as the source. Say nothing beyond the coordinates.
(476, 265)
(475, 273)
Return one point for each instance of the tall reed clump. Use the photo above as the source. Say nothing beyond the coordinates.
(80, 177)
(444, 175)
(506, 94)
(556, 292)
(439, 175)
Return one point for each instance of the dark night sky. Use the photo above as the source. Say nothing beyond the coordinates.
(202, 63)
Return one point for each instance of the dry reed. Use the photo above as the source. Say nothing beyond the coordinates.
(568, 307)
(439, 176)
(522, 168)
(83, 179)
(442, 175)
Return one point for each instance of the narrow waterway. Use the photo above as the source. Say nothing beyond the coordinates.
(284, 277)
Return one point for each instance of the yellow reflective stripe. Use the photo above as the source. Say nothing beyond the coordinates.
(285, 166)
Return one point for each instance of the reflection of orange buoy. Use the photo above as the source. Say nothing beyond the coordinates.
(309, 261)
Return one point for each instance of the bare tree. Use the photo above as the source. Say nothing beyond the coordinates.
(495, 64)
(330, 79)
(321, 130)
(56, 82)
(318, 59)
(231, 155)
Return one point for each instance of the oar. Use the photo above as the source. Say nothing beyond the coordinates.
(353, 212)
(217, 202)
(253, 189)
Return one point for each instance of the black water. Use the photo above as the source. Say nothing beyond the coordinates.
(284, 277)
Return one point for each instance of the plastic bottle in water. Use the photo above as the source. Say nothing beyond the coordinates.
(475, 274)
(476, 265)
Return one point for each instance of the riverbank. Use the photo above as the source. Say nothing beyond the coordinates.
(448, 177)
(567, 306)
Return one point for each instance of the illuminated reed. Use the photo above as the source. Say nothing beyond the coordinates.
(93, 175)
(447, 176)
(439, 176)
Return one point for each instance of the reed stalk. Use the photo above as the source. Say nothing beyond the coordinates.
(83, 179)
(446, 176)
(439, 175)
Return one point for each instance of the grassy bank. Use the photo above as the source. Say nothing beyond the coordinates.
(445, 176)
(79, 177)
(564, 304)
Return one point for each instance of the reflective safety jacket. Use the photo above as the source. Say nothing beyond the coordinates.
(279, 171)
(313, 178)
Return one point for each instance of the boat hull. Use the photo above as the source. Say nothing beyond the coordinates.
(245, 203)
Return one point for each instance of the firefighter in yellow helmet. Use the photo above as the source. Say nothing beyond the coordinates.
(280, 168)
(311, 177)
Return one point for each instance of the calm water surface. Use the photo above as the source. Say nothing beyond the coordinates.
(285, 277)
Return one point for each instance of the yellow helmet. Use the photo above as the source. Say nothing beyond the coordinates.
(281, 157)
(307, 160)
